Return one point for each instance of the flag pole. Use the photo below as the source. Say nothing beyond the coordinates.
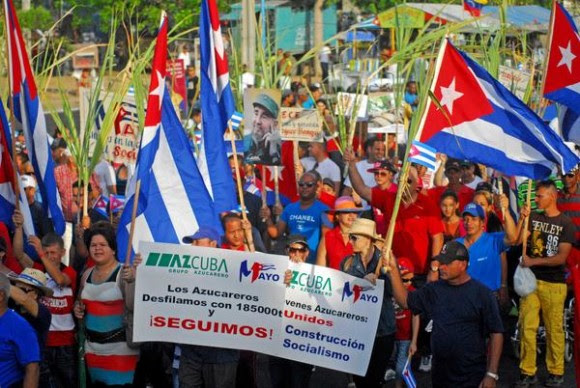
(296, 161)
(249, 237)
(406, 164)
(277, 187)
(132, 227)
(526, 223)
(263, 188)
(12, 127)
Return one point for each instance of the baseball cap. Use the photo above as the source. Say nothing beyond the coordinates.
(296, 239)
(267, 103)
(405, 265)
(383, 165)
(27, 181)
(452, 164)
(451, 251)
(202, 232)
(484, 186)
(315, 86)
(474, 210)
(466, 163)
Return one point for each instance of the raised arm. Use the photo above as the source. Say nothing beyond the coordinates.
(356, 180)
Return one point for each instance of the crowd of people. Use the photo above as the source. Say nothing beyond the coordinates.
(448, 275)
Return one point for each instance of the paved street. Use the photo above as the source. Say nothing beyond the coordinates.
(508, 372)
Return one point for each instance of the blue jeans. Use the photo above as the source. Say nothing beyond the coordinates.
(401, 356)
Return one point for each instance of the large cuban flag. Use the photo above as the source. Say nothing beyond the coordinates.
(217, 107)
(562, 83)
(562, 80)
(173, 200)
(28, 111)
(482, 121)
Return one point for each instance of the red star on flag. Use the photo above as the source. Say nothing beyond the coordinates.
(563, 67)
(158, 72)
(458, 92)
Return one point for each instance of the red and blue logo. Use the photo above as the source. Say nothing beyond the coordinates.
(357, 293)
(258, 271)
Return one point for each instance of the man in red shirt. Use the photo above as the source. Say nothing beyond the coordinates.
(418, 230)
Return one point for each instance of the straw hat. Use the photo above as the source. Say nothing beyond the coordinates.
(365, 227)
(35, 278)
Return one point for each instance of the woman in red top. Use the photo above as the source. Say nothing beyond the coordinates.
(335, 244)
(452, 223)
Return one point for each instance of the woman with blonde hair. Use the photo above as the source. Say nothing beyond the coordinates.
(363, 264)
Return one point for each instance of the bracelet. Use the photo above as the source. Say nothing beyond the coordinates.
(494, 376)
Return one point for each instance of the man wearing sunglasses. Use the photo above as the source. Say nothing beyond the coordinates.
(306, 216)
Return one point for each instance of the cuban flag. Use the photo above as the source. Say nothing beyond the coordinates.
(562, 77)
(101, 205)
(423, 154)
(7, 188)
(478, 119)
(28, 111)
(407, 374)
(173, 200)
(116, 202)
(474, 7)
(237, 118)
(217, 107)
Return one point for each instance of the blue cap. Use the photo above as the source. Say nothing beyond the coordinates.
(474, 210)
(202, 232)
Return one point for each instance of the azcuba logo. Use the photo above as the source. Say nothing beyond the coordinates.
(258, 271)
(196, 264)
(313, 284)
(357, 293)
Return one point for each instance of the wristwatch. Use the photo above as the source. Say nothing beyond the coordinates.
(434, 268)
(494, 376)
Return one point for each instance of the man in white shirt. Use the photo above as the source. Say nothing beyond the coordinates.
(106, 178)
(319, 161)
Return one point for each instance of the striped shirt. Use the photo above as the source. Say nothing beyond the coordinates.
(570, 206)
(109, 358)
(60, 304)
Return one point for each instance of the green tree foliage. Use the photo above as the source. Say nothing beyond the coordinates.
(36, 18)
(143, 13)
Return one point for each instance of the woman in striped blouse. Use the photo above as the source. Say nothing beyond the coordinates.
(106, 291)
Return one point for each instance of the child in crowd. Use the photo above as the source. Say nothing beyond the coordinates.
(407, 325)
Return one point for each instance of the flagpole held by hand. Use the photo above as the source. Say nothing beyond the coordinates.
(249, 237)
(526, 223)
(277, 189)
(133, 216)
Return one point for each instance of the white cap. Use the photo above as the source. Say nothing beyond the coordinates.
(27, 181)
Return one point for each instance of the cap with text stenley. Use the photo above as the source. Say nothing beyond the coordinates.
(451, 251)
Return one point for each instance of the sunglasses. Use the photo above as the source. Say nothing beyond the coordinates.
(353, 237)
(380, 173)
(407, 280)
(27, 290)
(569, 175)
(306, 184)
(296, 250)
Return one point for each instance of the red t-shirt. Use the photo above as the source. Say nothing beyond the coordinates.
(241, 248)
(327, 199)
(62, 326)
(336, 249)
(465, 195)
(379, 216)
(415, 226)
(403, 321)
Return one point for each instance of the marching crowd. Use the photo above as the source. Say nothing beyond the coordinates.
(448, 278)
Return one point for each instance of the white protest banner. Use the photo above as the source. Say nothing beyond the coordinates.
(300, 124)
(330, 318)
(121, 146)
(207, 296)
(231, 299)
(515, 80)
(346, 103)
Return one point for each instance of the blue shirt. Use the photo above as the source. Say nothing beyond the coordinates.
(307, 222)
(485, 260)
(411, 99)
(18, 347)
(308, 104)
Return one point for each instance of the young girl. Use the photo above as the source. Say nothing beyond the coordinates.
(452, 223)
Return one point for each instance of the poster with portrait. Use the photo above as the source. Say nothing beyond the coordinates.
(262, 140)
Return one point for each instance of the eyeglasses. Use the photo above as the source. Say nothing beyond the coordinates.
(296, 250)
(381, 173)
(352, 237)
(407, 280)
(27, 290)
(306, 184)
